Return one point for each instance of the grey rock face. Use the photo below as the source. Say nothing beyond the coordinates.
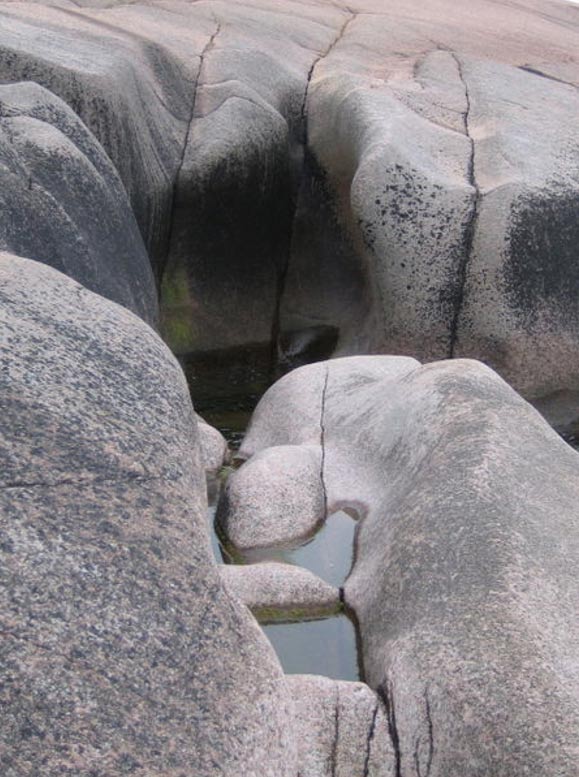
(276, 591)
(276, 497)
(464, 580)
(121, 651)
(62, 203)
(342, 729)
(364, 178)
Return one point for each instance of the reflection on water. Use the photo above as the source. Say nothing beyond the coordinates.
(327, 647)
(328, 553)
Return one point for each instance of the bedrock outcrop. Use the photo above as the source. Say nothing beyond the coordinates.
(62, 202)
(343, 729)
(361, 177)
(464, 581)
(122, 653)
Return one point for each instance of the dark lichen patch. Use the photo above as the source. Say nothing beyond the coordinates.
(542, 268)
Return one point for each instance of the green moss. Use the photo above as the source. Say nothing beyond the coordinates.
(266, 615)
(177, 319)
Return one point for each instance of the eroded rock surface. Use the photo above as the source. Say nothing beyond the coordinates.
(122, 651)
(464, 581)
(360, 177)
(277, 497)
(63, 204)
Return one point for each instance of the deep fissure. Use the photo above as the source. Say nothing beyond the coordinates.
(472, 219)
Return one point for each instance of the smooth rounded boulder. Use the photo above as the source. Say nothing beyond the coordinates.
(464, 581)
(122, 651)
(62, 202)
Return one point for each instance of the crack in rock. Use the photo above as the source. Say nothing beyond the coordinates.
(315, 63)
(472, 219)
(386, 693)
(323, 440)
(206, 49)
(430, 732)
(371, 733)
(303, 140)
(334, 753)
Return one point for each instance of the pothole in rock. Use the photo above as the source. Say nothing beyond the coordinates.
(226, 387)
(324, 646)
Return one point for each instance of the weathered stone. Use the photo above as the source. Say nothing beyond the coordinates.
(464, 580)
(277, 497)
(129, 72)
(342, 729)
(122, 652)
(520, 312)
(63, 204)
(280, 591)
(364, 178)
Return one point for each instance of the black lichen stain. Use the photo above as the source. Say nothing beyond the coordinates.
(542, 269)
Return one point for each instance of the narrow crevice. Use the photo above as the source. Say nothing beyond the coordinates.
(304, 143)
(542, 74)
(334, 753)
(323, 441)
(430, 733)
(370, 739)
(174, 197)
(386, 693)
(472, 219)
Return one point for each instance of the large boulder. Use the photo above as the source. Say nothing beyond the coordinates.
(63, 204)
(121, 651)
(464, 582)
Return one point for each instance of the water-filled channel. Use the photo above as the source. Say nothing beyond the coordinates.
(326, 646)
(226, 391)
(225, 394)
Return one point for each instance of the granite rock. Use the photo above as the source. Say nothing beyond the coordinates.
(339, 178)
(214, 449)
(342, 729)
(122, 652)
(275, 498)
(275, 591)
(464, 580)
(62, 202)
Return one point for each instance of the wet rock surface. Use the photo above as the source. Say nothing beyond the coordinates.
(122, 652)
(464, 578)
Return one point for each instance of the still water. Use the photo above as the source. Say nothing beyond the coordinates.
(327, 646)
